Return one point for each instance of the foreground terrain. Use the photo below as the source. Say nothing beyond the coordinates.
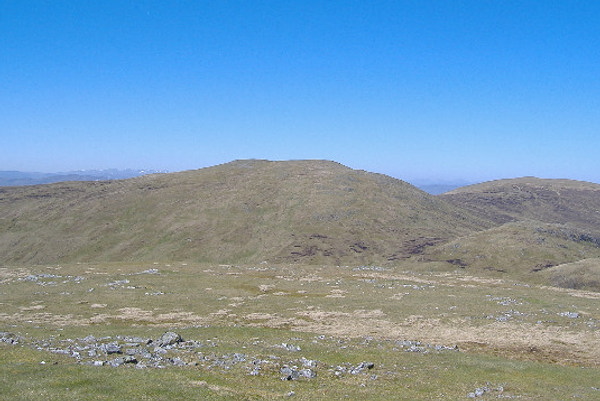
(194, 331)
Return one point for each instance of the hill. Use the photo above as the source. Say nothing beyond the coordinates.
(575, 203)
(521, 250)
(316, 212)
(541, 226)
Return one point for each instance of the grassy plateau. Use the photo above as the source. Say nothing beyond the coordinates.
(428, 334)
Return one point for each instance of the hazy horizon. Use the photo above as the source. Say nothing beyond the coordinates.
(471, 91)
(431, 184)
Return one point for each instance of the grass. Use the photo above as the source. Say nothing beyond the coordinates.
(25, 378)
(398, 375)
(513, 338)
(522, 251)
(583, 274)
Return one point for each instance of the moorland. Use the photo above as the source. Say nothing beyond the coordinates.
(306, 279)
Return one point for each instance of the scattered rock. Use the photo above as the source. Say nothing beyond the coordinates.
(290, 347)
(149, 271)
(570, 315)
(168, 339)
(10, 338)
(288, 373)
(308, 363)
(111, 348)
(129, 359)
(417, 346)
(117, 283)
(116, 362)
(178, 362)
(89, 339)
(361, 367)
(308, 373)
(480, 391)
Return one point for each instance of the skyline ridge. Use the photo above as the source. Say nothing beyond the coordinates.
(430, 185)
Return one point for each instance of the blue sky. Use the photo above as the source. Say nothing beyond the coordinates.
(440, 90)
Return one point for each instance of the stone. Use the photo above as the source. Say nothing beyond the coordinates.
(129, 359)
(178, 362)
(308, 363)
(289, 373)
(308, 373)
(111, 348)
(169, 338)
(361, 367)
(116, 362)
(89, 339)
(570, 315)
(290, 347)
(145, 354)
(10, 338)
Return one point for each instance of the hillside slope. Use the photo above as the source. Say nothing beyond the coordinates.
(575, 203)
(540, 224)
(243, 211)
(523, 250)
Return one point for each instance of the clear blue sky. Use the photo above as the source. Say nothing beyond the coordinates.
(415, 89)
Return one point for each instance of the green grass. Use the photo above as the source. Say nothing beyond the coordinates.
(398, 375)
(510, 335)
(23, 377)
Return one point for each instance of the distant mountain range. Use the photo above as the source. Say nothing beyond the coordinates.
(438, 188)
(17, 178)
(309, 212)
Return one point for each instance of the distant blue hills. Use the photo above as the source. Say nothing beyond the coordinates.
(19, 178)
(439, 188)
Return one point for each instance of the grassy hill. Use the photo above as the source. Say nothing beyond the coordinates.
(522, 250)
(582, 274)
(575, 203)
(539, 224)
(316, 212)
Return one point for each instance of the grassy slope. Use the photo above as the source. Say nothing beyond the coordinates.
(521, 250)
(575, 203)
(244, 211)
(540, 224)
(582, 274)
